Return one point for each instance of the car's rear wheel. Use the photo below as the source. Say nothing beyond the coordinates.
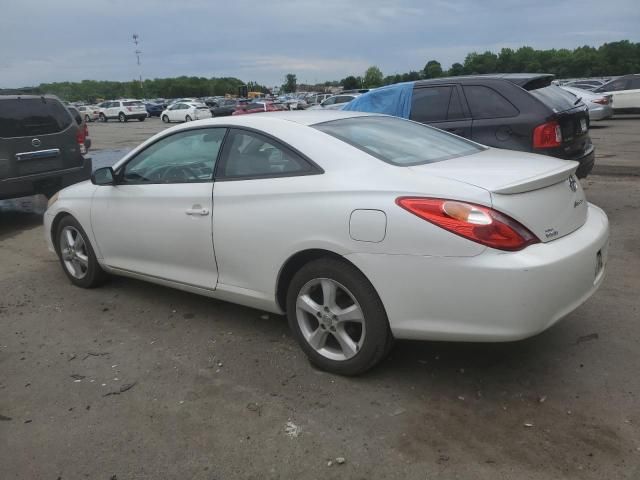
(76, 255)
(187, 118)
(337, 317)
(122, 117)
(165, 119)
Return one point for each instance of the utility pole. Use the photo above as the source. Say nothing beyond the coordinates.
(138, 52)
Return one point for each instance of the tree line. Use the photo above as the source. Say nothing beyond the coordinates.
(610, 59)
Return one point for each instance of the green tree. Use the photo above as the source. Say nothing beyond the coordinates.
(456, 69)
(350, 83)
(290, 83)
(432, 69)
(373, 77)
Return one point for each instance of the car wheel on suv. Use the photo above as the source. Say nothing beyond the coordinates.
(122, 117)
(103, 117)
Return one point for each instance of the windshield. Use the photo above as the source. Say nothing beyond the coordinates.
(397, 141)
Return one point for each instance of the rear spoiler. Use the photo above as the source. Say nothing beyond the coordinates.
(533, 82)
(542, 180)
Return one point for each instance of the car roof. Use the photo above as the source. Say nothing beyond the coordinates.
(520, 79)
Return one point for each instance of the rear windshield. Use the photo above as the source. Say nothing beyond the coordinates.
(555, 98)
(24, 117)
(131, 104)
(397, 141)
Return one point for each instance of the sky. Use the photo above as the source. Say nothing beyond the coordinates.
(71, 40)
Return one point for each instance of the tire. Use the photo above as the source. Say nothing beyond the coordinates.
(103, 118)
(349, 347)
(142, 119)
(187, 118)
(79, 264)
(165, 119)
(122, 117)
(87, 118)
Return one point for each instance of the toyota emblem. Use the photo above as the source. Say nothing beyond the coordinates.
(573, 184)
(36, 142)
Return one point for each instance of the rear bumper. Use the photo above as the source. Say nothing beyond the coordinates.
(494, 296)
(137, 116)
(44, 182)
(600, 113)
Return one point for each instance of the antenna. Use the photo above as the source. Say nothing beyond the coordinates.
(138, 52)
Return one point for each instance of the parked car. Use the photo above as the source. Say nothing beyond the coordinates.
(599, 104)
(123, 110)
(585, 84)
(318, 99)
(336, 102)
(227, 106)
(185, 112)
(260, 107)
(90, 113)
(84, 129)
(464, 242)
(40, 146)
(625, 91)
(154, 109)
(513, 111)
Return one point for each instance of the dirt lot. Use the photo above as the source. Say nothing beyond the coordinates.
(219, 391)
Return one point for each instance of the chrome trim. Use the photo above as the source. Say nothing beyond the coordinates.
(52, 152)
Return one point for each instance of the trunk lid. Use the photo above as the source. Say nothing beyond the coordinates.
(538, 191)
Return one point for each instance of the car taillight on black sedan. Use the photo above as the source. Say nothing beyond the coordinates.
(474, 222)
(547, 135)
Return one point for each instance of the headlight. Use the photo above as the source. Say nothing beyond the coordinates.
(52, 200)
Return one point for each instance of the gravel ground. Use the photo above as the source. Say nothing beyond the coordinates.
(137, 381)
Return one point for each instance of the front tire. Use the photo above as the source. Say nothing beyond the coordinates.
(103, 118)
(187, 118)
(87, 118)
(337, 317)
(122, 117)
(76, 255)
(165, 119)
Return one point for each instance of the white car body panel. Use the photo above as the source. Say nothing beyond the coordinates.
(432, 283)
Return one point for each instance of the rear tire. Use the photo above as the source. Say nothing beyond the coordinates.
(165, 119)
(87, 118)
(76, 255)
(337, 317)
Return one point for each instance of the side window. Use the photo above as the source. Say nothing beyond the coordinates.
(615, 86)
(430, 104)
(329, 101)
(485, 102)
(456, 110)
(634, 83)
(249, 154)
(184, 157)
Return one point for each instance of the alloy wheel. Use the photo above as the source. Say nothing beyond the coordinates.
(330, 319)
(74, 252)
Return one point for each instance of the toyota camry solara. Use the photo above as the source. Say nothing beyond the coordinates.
(361, 228)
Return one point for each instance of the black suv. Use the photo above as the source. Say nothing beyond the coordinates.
(40, 146)
(513, 111)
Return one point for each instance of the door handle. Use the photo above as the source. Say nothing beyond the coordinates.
(197, 210)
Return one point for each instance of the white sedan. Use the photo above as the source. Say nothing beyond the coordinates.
(362, 228)
(185, 112)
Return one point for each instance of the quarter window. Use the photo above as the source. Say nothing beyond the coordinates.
(485, 102)
(249, 154)
(184, 157)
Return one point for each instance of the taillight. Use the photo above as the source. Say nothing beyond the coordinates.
(601, 101)
(474, 222)
(81, 134)
(547, 135)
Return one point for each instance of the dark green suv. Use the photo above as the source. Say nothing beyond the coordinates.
(41, 146)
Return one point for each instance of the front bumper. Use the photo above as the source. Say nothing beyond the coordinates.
(494, 296)
(45, 181)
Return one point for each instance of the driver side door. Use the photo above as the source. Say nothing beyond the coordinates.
(156, 220)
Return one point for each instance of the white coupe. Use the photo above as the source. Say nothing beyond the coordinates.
(185, 112)
(362, 228)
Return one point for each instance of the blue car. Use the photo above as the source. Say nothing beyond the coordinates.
(154, 109)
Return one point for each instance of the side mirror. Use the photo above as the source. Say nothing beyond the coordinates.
(103, 176)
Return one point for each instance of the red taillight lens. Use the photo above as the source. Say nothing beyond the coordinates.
(601, 101)
(474, 222)
(547, 135)
(80, 135)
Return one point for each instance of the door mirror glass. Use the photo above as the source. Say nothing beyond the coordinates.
(103, 176)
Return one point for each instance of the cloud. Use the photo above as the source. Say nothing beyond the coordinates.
(262, 41)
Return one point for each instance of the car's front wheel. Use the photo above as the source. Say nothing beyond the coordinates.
(87, 118)
(103, 117)
(187, 118)
(337, 317)
(165, 119)
(76, 255)
(142, 119)
(122, 117)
